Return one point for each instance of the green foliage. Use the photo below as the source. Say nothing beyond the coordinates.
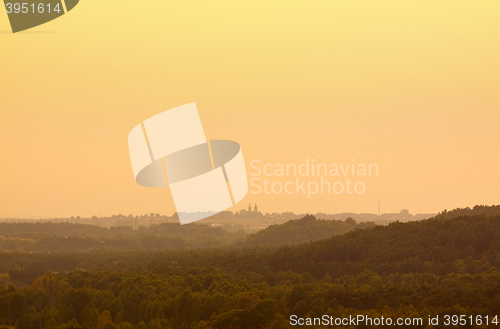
(437, 266)
(118, 318)
(476, 211)
(4, 280)
(104, 319)
(302, 230)
(37, 237)
(73, 324)
(50, 237)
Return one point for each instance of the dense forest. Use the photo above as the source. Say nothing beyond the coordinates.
(303, 230)
(30, 237)
(441, 266)
(476, 210)
(49, 237)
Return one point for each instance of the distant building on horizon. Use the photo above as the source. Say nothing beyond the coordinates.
(255, 209)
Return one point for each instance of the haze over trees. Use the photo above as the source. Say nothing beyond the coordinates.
(37, 237)
(431, 267)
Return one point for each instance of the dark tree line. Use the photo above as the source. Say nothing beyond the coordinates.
(433, 267)
(50, 237)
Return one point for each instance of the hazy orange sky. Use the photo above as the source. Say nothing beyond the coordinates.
(412, 86)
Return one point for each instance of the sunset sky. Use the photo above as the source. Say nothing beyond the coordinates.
(412, 86)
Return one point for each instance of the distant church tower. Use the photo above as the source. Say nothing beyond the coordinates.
(255, 208)
(249, 207)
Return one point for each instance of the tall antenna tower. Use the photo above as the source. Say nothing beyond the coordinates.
(379, 208)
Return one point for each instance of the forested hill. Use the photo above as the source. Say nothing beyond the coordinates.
(433, 245)
(382, 248)
(36, 230)
(302, 230)
(36, 237)
(438, 266)
(436, 246)
(50, 237)
(477, 210)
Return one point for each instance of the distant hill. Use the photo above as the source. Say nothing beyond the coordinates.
(440, 266)
(302, 230)
(430, 245)
(437, 245)
(477, 210)
(33, 237)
